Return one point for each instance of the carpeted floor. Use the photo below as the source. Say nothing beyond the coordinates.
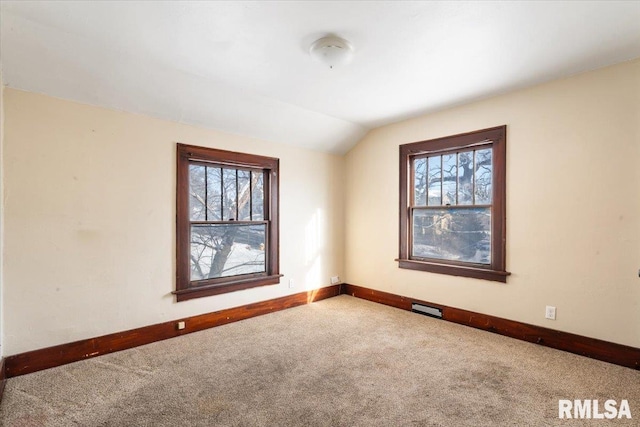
(338, 362)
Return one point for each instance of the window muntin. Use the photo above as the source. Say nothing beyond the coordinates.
(452, 205)
(451, 214)
(227, 221)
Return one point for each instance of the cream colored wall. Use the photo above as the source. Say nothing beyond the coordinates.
(573, 206)
(90, 213)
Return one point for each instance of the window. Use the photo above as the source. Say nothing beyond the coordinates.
(452, 205)
(226, 222)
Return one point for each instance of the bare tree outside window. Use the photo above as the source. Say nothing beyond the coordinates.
(235, 246)
(459, 229)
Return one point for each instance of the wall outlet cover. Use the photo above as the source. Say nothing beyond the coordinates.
(550, 312)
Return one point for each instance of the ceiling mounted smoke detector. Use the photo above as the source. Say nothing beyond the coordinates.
(331, 51)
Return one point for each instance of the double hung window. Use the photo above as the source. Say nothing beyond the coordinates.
(452, 205)
(227, 221)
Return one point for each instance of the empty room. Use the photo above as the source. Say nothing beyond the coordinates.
(319, 213)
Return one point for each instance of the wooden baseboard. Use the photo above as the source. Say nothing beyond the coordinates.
(3, 378)
(37, 360)
(590, 347)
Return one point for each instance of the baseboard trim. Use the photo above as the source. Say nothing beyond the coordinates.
(37, 360)
(3, 378)
(584, 346)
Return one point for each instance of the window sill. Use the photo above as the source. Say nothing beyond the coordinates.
(222, 288)
(455, 270)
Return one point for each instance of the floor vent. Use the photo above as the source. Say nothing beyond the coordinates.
(426, 310)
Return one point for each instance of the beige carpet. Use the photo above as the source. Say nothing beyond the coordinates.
(338, 362)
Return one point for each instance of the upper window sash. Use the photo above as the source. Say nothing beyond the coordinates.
(468, 171)
(223, 193)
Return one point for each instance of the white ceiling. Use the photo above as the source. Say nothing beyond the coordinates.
(244, 67)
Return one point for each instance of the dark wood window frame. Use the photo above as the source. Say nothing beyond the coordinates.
(188, 155)
(492, 137)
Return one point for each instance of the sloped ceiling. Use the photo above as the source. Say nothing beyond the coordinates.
(244, 67)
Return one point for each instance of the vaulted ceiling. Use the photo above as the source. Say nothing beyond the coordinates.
(244, 67)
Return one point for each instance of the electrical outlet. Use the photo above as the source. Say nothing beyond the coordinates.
(291, 283)
(181, 325)
(335, 280)
(550, 312)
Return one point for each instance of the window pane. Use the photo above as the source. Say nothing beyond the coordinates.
(257, 196)
(244, 196)
(453, 234)
(484, 176)
(420, 181)
(465, 178)
(435, 181)
(214, 194)
(450, 179)
(224, 250)
(229, 200)
(197, 194)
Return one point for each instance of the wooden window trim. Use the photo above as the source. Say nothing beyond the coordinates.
(189, 154)
(496, 137)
